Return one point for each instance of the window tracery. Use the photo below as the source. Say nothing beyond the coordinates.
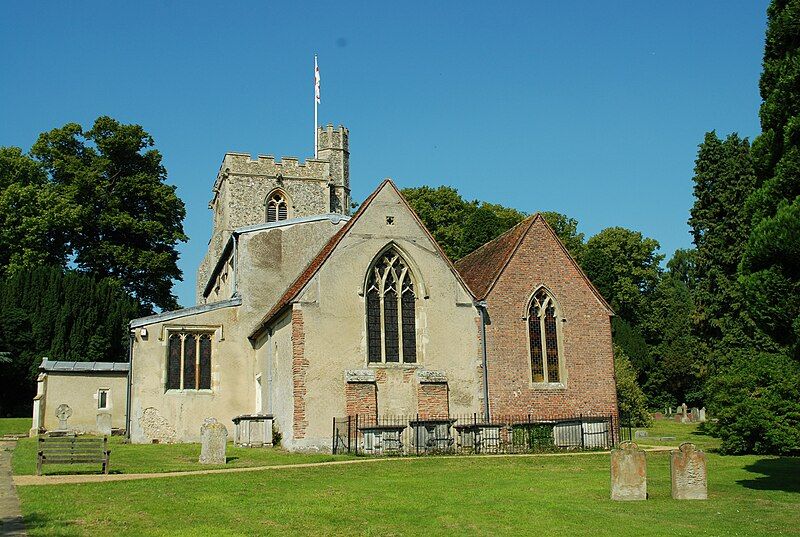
(391, 315)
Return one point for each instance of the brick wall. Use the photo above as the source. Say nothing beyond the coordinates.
(361, 398)
(589, 384)
(432, 400)
(299, 370)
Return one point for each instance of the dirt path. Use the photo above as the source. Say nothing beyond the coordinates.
(27, 480)
(10, 514)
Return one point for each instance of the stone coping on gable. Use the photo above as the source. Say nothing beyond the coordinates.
(185, 312)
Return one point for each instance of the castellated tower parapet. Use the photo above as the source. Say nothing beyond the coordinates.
(244, 185)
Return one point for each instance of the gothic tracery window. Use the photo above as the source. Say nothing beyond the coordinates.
(390, 299)
(189, 361)
(543, 327)
(277, 208)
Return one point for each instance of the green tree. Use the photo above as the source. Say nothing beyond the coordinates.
(624, 266)
(567, 230)
(630, 398)
(45, 311)
(34, 217)
(724, 178)
(444, 212)
(127, 221)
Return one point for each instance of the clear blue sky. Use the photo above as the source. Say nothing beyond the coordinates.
(592, 109)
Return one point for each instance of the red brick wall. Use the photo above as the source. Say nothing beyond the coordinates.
(432, 400)
(299, 370)
(361, 398)
(587, 351)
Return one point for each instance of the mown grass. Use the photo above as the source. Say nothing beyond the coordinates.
(157, 458)
(682, 432)
(515, 495)
(14, 425)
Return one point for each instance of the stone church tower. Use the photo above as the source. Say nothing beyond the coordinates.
(249, 192)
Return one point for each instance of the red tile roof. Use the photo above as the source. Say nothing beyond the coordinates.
(482, 268)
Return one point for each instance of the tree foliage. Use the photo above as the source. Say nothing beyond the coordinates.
(45, 311)
(624, 266)
(632, 401)
(122, 221)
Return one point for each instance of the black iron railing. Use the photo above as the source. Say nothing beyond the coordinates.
(428, 435)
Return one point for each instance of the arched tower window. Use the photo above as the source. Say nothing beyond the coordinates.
(390, 298)
(543, 331)
(277, 208)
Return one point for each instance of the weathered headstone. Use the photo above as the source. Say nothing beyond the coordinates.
(695, 413)
(688, 468)
(678, 418)
(670, 410)
(702, 416)
(658, 416)
(684, 409)
(640, 434)
(628, 473)
(104, 423)
(63, 412)
(213, 441)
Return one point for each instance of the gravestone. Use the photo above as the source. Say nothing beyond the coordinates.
(684, 410)
(104, 423)
(640, 434)
(678, 418)
(63, 412)
(702, 416)
(670, 410)
(688, 469)
(658, 416)
(213, 441)
(628, 473)
(695, 413)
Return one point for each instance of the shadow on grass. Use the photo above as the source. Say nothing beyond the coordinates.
(37, 521)
(779, 473)
(231, 459)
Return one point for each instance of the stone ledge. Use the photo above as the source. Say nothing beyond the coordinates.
(352, 376)
(431, 377)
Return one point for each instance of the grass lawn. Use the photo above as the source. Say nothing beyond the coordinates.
(156, 458)
(682, 432)
(748, 496)
(14, 425)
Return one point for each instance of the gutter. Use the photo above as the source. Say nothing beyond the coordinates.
(481, 305)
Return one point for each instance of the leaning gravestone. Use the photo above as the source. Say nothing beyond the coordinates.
(104, 423)
(688, 468)
(213, 440)
(63, 413)
(628, 473)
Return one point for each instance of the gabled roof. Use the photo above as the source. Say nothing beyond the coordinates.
(296, 288)
(185, 312)
(482, 268)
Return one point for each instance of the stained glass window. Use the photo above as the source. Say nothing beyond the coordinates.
(391, 321)
(174, 363)
(189, 361)
(543, 327)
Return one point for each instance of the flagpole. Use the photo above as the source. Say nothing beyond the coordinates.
(315, 105)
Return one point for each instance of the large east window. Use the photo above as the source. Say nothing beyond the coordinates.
(543, 332)
(391, 318)
(189, 361)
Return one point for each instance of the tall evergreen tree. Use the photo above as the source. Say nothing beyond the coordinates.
(724, 178)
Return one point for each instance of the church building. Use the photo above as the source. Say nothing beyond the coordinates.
(305, 313)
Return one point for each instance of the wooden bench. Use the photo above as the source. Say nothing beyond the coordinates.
(72, 450)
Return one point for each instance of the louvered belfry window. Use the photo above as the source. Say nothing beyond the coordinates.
(277, 208)
(391, 318)
(543, 327)
(189, 361)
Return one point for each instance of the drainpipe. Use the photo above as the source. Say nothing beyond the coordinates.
(131, 339)
(481, 304)
(269, 371)
(235, 263)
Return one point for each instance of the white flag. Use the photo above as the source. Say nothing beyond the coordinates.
(316, 80)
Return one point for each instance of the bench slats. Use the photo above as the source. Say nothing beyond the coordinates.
(72, 450)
